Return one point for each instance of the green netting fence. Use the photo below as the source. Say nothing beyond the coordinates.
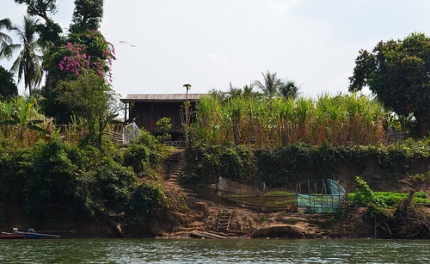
(322, 203)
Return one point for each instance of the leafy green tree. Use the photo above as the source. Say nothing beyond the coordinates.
(87, 15)
(7, 85)
(398, 72)
(271, 84)
(28, 62)
(40, 7)
(96, 102)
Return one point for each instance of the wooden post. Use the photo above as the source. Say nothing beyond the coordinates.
(187, 114)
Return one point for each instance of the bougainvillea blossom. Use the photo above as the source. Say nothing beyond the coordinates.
(86, 51)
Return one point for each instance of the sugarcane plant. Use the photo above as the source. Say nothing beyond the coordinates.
(339, 120)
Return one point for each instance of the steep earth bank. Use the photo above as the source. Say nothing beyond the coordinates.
(196, 211)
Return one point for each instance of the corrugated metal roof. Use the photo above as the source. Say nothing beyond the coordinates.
(160, 97)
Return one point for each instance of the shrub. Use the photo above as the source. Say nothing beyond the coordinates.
(115, 182)
(146, 155)
(148, 200)
(49, 173)
(363, 193)
(137, 157)
(162, 127)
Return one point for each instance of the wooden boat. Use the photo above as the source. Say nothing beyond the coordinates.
(5, 235)
(30, 234)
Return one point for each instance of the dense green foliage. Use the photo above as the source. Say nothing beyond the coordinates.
(146, 155)
(398, 73)
(87, 15)
(148, 201)
(298, 163)
(136, 156)
(55, 173)
(94, 105)
(8, 87)
(205, 163)
(39, 7)
(52, 176)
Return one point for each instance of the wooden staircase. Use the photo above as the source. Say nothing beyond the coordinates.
(224, 219)
(180, 160)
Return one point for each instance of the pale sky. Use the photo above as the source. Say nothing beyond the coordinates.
(212, 43)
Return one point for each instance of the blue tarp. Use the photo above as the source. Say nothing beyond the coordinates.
(333, 187)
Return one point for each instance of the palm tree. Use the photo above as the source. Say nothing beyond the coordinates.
(289, 90)
(271, 84)
(28, 63)
(5, 40)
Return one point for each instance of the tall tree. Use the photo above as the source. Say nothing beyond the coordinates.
(40, 8)
(28, 62)
(82, 51)
(96, 102)
(87, 15)
(271, 84)
(398, 72)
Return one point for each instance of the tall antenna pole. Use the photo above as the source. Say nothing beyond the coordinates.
(187, 114)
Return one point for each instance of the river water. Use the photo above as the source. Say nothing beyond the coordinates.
(213, 251)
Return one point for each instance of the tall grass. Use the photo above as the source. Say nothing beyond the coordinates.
(335, 120)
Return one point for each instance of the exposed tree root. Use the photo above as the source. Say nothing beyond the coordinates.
(408, 221)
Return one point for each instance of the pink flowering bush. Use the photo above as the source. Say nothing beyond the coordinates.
(76, 59)
(88, 50)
